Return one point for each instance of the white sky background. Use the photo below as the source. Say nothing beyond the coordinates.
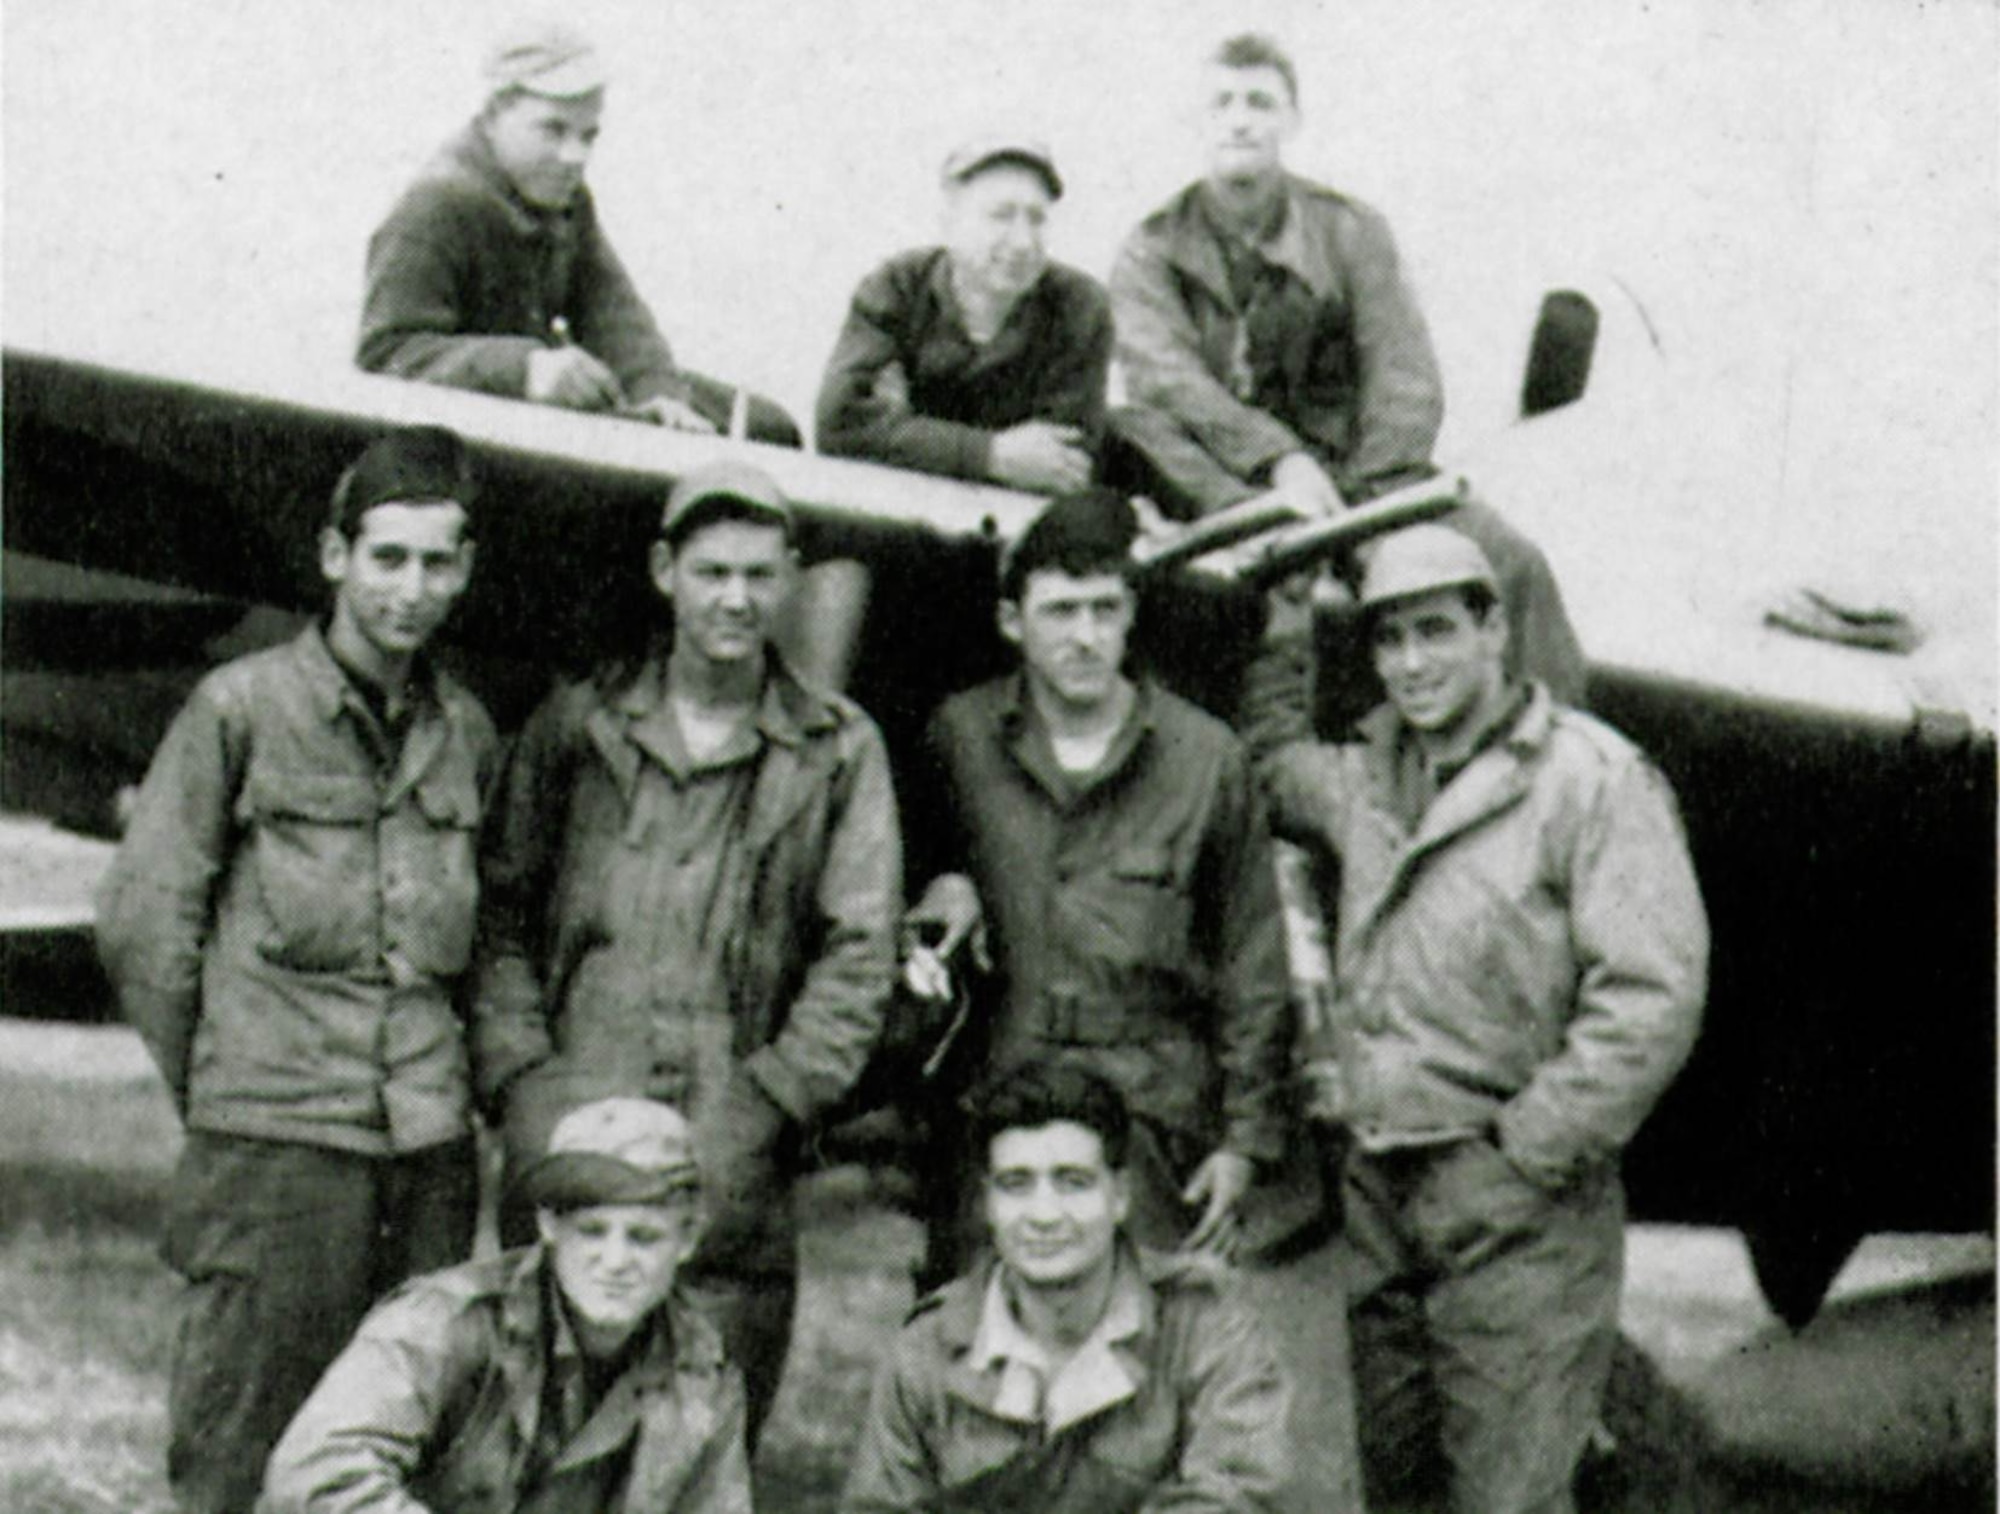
(1805, 194)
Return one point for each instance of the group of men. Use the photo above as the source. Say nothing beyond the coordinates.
(655, 940)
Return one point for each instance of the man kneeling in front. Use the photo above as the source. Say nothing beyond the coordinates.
(1074, 1373)
(566, 1378)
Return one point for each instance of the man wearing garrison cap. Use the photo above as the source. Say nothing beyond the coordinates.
(978, 358)
(571, 1377)
(692, 883)
(492, 272)
(286, 924)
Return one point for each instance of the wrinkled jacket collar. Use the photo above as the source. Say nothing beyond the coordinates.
(332, 694)
(979, 1368)
(625, 724)
(1028, 744)
(1193, 242)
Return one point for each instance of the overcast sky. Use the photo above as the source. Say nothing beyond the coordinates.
(1802, 195)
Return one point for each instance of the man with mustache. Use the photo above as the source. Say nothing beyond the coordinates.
(492, 272)
(288, 923)
(691, 891)
(980, 358)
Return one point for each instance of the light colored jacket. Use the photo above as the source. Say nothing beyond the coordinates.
(286, 922)
(434, 1406)
(1531, 960)
(1335, 360)
(1193, 1419)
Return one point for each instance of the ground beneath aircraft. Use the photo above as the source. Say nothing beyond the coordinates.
(1886, 1403)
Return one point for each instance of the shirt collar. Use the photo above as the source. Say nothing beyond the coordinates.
(332, 686)
(1097, 1375)
(1197, 237)
(788, 712)
(944, 294)
(1022, 730)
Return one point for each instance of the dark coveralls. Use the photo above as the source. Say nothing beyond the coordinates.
(287, 923)
(717, 934)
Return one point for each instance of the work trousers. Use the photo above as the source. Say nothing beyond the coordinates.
(744, 1272)
(284, 1248)
(1483, 1315)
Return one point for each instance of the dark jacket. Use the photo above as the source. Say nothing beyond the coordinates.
(465, 279)
(1330, 355)
(1136, 920)
(1554, 866)
(1192, 1413)
(286, 922)
(907, 386)
(435, 1406)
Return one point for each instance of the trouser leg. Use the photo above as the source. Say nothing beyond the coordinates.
(274, 1240)
(429, 1208)
(1541, 641)
(1523, 1331)
(1149, 452)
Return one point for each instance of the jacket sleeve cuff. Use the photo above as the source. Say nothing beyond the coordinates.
(780, 1083)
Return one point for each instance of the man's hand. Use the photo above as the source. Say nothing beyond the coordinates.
(571, 377)
(1299, 477)
(948, 913)
(1220, 1183)
(675, 415)
(1040, 456)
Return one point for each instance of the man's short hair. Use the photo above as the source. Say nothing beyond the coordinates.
(1258, 50)
(1035, 1094)
(1080, 534)
(414, 465)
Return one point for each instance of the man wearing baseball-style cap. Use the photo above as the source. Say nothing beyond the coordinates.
(287, 923)
(691, 892)
(573, 1377)
(978, 358)
(1521, 957)
(492, 272)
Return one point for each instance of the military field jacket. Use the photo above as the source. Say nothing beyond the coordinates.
(287, 919)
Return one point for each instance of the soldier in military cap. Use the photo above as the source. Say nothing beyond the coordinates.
(492, 272)
(1076, 1373)
(287, 923)
(571, 1377)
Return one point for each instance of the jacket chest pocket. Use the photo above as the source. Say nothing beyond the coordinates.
(315, 859)
(431, 876)
(1138, 911)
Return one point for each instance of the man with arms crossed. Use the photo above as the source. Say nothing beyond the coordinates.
(1077, 1373)
(287, 923)
(1268, 341)
(568, 1378)
(492, 272)
(978, 359)
(692, 886)
(1520, 964)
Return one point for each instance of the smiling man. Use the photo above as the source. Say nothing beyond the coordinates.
(287, 924)
(1520, 963)
(1076, 1374)
(691, 894)
(979, 358)
(1105, 832)
(492, 272)
(572, 1376)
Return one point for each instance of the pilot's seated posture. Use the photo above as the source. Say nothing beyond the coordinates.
(570, 1376)
(1075, 1374)
(492, 272)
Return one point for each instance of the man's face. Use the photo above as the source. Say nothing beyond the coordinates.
(1440, 663)
(616, 1263)
(993, 226)
(1072, 633)
(1250, 119)
(728, 583)
(544, 145)
(1053, 1203)
(397, 580)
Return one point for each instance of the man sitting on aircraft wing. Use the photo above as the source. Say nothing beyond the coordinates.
(980, 358)
(1269, 342)
(1520, 964)
(492, 272)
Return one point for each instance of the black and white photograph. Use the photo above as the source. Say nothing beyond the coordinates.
(1031, 758)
